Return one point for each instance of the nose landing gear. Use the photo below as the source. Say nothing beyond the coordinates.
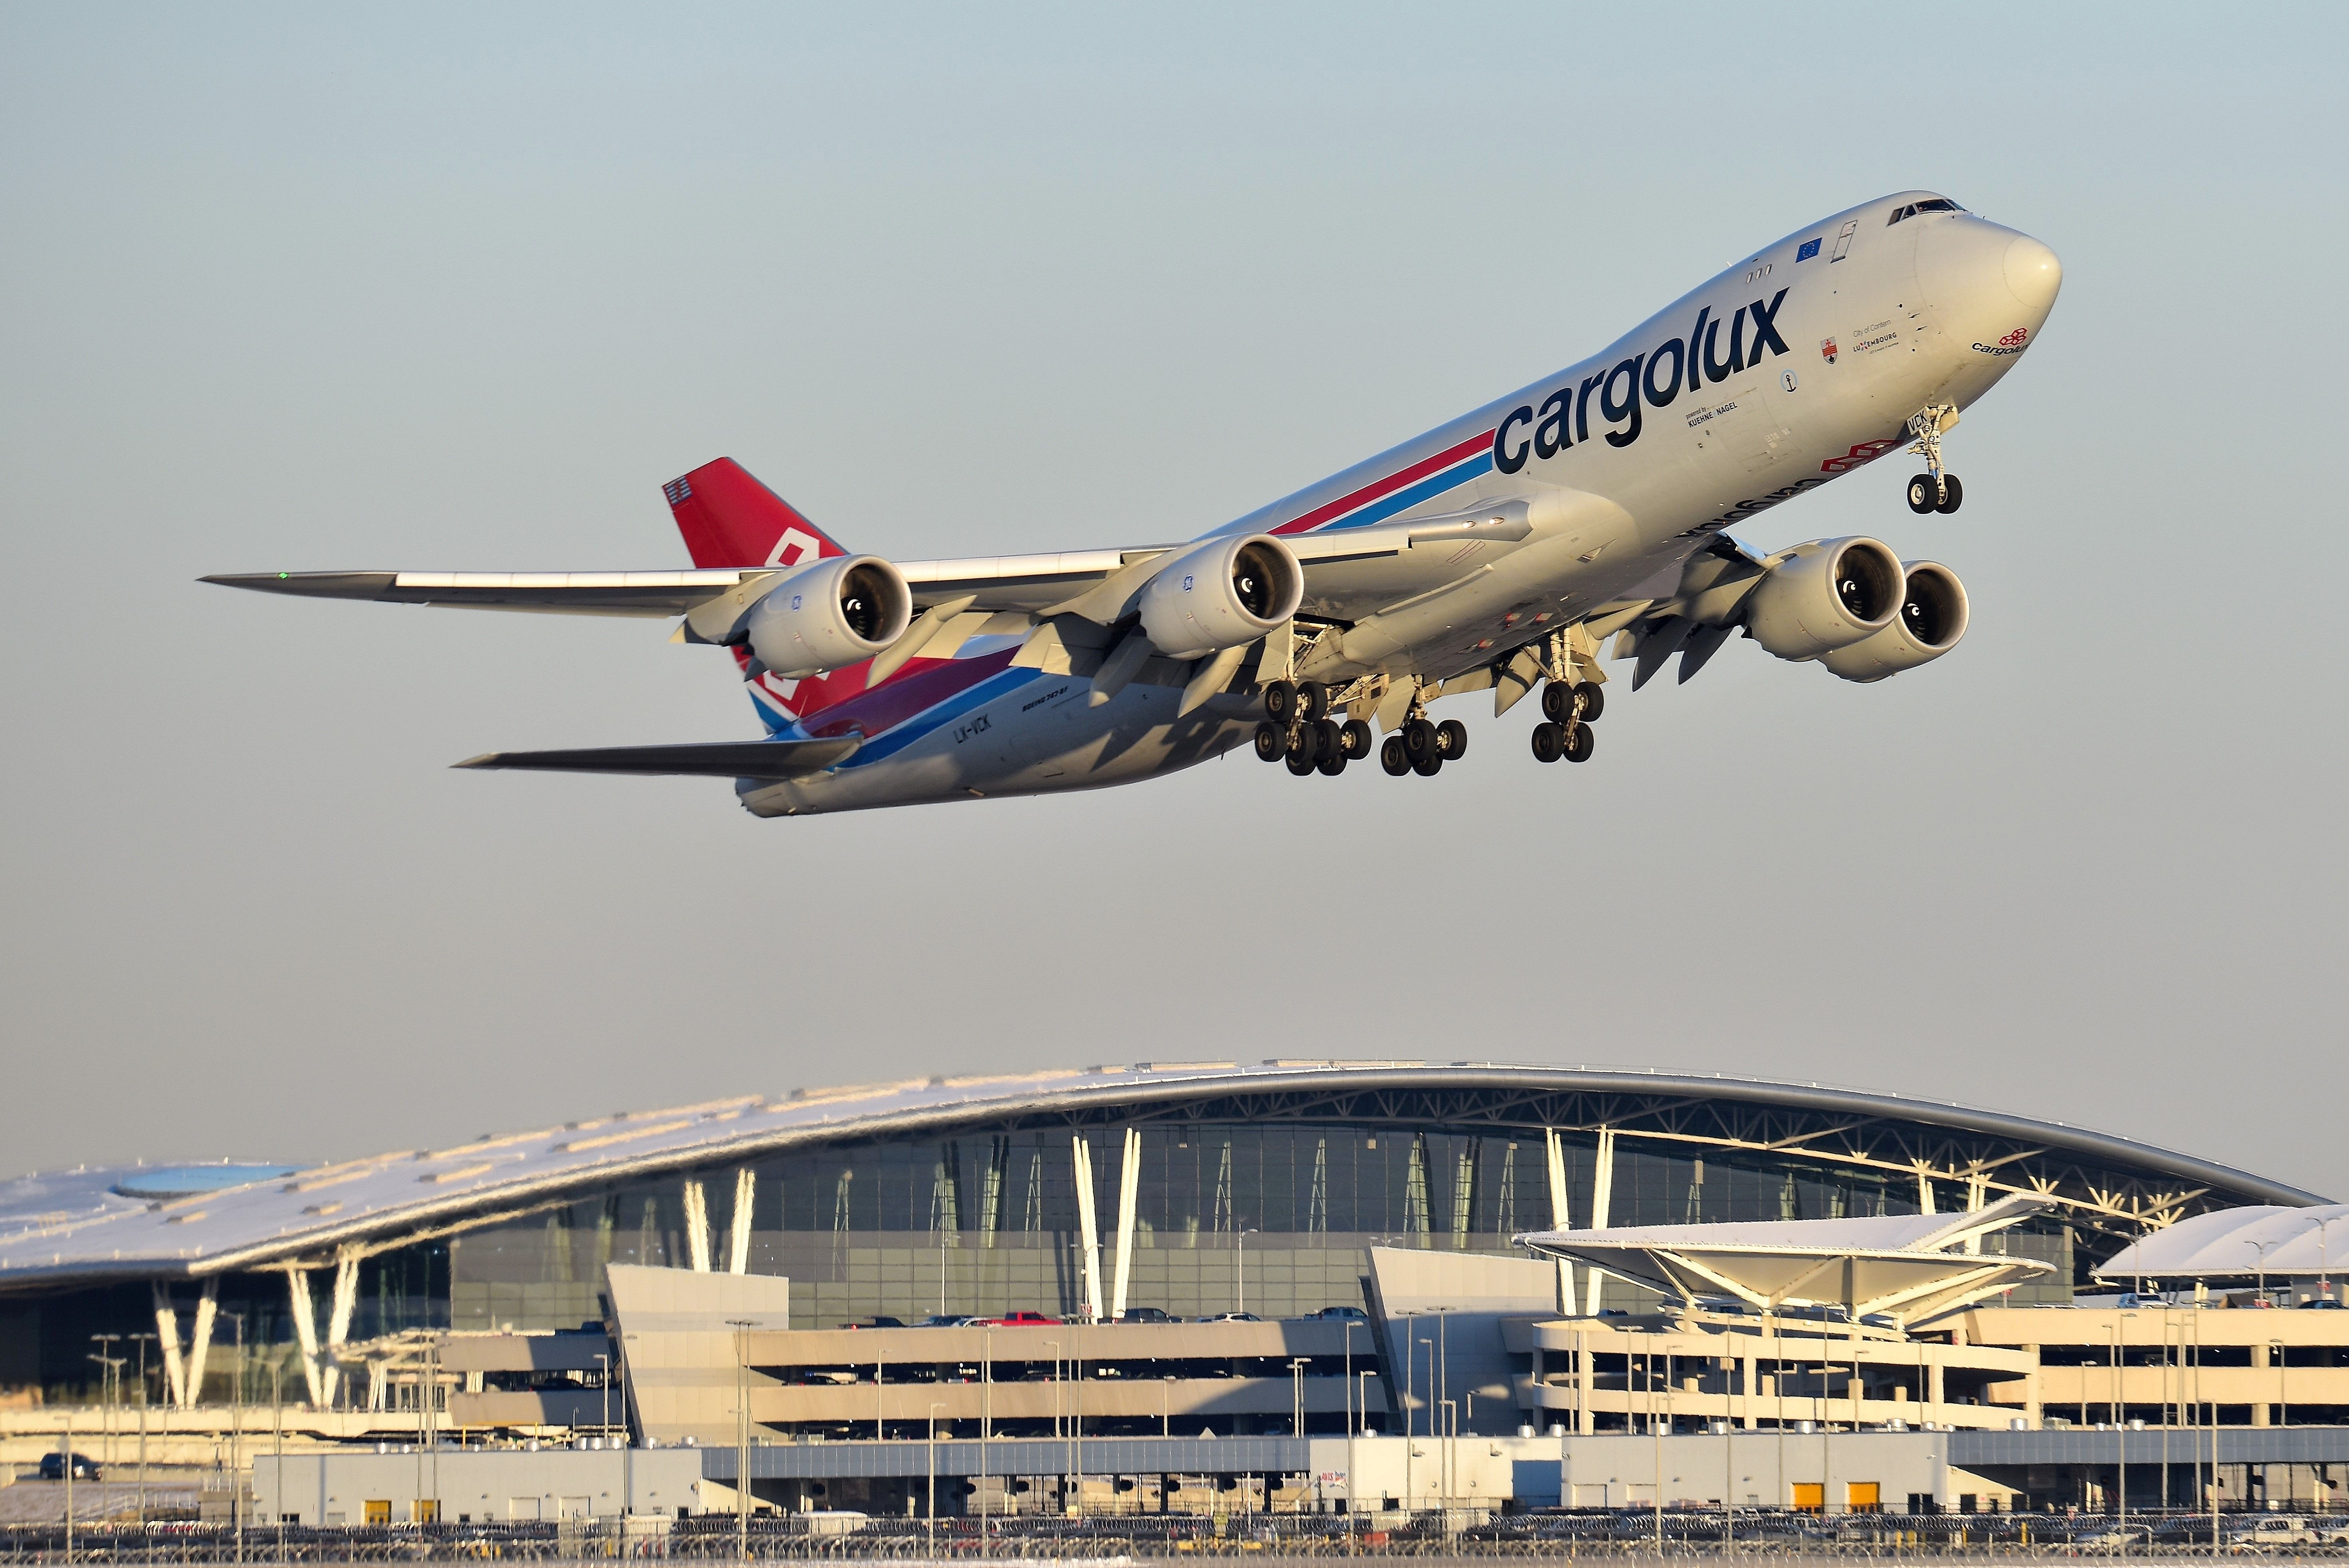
(1935, 489)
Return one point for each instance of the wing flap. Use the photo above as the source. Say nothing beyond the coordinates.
(711, 760)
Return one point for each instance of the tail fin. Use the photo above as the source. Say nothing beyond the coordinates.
(729, 519)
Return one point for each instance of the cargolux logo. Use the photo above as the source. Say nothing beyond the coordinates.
(795, 546)
(2012, 342)
(1653, 378)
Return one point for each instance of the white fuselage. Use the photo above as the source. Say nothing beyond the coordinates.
(1808, 359)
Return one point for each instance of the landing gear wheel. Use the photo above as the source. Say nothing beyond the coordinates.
(1312, 700)
(1332, 762)
(1328, 740)
(1419, 741)
(1304, 744)
(1549, 742)
(1393, 759)
(1271, 742)
(1452, 740)
(1924, 495)
(1300, 766)
(1594, 700)
(1579, 742)
(1358, 737)
(1279, 701)
(1558, 702)
(1952, 493)
(1428, 766)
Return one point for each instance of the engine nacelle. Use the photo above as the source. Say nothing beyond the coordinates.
(833, 614)
(1827, 595)
(1220, 594)
(1932, 618)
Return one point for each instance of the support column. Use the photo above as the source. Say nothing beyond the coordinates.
(1583, 1379)
(306, 1331)
(338, 1316)
(1602, 1189)
(1560, 1217)
(167, 1336)
(191, 1390)
(737, 1254)
(1924, 1190)
(1747, 1370)
(1934, 1394)
(1090, 1223)
(696, 1227)
(1129, 1190)
(1975, 1184)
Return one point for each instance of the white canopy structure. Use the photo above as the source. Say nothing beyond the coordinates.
(2229, 1244)
(1907, 1267)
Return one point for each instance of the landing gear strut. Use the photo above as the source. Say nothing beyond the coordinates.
(1565, 730)
(1935, 489)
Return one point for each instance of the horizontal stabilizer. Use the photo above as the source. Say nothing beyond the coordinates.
(716, 760)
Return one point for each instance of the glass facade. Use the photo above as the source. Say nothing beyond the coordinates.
(1269, 1218)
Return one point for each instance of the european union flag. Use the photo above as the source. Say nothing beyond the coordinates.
(1810, 247)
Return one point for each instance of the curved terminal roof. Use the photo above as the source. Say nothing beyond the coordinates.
(2230, 1243)
(80, 1226)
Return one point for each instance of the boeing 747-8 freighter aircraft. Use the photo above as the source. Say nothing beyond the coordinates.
(1499, 553)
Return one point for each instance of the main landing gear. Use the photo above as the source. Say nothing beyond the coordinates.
(1935, 489)
(1421, 747)
(1297, 730)
(1565, 730)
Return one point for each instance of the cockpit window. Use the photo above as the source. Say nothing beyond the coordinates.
(1938, 204)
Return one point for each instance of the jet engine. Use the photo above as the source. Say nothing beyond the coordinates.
(1825, 595)
(1932, 618)
(1220, 594)
(833, 614)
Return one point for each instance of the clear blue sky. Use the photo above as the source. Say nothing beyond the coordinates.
(458, 286)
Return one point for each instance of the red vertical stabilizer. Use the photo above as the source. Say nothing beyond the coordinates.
(729, 519)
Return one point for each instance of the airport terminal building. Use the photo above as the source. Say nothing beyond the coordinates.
(1194, 1189)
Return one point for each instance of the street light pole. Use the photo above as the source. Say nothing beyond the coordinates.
(2284, 1388)
(936, 1406)
(742, 1327)
(1296, 1365)
(604, 1380)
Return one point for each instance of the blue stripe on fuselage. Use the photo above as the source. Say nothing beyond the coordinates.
(892, 741)
(1426, 490)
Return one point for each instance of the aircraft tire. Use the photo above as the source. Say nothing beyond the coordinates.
(1922, 496)
(1271, 742)
(1360, 742)
(1300, 765)
(1279, 701)
(1578, 743)
(1557, 698)
(1419, 740)
(1329, 742)
(1594, 699)
(1549, 742)
(1393, 759)
(1451, 739)
(1332, 763)
(1428, 766)
(1312, 699)
(1956, 492)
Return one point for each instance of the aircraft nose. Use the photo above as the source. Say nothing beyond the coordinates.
(2032, 273)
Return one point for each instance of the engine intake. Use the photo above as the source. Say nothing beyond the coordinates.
(833, 614)
(1220, 594)
(1933, 615)
(1827, 595)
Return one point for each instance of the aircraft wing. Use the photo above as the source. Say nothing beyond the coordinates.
(719, 759)
(991, 583)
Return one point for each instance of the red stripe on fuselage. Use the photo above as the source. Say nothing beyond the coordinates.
(923, 684)
(1387, 486)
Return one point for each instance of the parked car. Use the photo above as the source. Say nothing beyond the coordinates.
(874, 1322)
(1145, 1314)
(1351, 1314)
(1020, 1320)
(1233, 1317)
(948, 1320)
(53, 1467)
